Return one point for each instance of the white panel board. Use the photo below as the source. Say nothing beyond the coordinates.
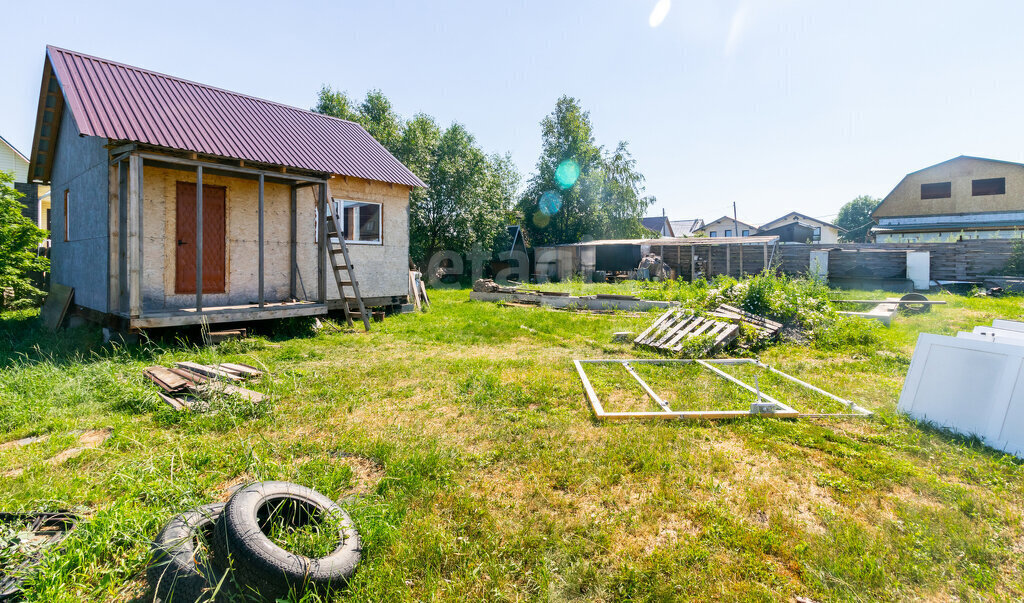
(819, 264)
(970, 386)
(990, 338)
(1009, 325)
(919, 268)
(998, 332)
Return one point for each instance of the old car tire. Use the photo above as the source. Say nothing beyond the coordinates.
(173, 572)
(264, 567)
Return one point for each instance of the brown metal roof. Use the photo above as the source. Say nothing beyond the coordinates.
(122, 102)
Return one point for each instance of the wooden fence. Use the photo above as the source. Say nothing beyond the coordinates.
(963, 260)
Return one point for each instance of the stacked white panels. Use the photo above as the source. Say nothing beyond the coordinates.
(971, 386)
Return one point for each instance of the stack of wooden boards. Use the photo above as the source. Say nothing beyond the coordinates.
(766, 329)
(418, 291)
(189, 384)
(722, 326)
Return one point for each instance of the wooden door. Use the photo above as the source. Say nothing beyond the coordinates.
(214, 239)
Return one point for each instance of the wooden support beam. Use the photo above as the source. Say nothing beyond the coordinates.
(728, 260)
(260, 297)
(693, 262)
(122, 237)
(292, 243)
(741, 260)
(134, 259)
(321, 245)
(199, 238)
(766, 255)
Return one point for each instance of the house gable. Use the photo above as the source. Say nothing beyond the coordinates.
(795, 216)
(949, 188)
(724, 223)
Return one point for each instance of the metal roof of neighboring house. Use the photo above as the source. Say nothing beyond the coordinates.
(728, 220)
(13, 148)
(656, 223)
(683, 228)
(121, 102)
(797, 216)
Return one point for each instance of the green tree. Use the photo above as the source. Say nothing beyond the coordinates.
(855, 218)
(336, 104)
(378, 116)
(469, 196)
(468, 201)
(19, 242)
(579, 191)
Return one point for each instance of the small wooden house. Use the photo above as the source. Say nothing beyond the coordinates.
(159, 183)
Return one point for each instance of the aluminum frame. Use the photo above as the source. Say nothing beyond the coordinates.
(770, 406)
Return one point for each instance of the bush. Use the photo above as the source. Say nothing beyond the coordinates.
(19, 244)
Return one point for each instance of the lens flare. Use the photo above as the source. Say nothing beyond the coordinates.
(550, 203)
(659, 12)
(567, 174)
(541, 219)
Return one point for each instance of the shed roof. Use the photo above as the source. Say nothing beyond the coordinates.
(121, 102)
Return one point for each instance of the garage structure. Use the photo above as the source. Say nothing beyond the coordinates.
(179, 203)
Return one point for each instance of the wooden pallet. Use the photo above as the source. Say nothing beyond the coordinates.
(668, 332)
(766, 329)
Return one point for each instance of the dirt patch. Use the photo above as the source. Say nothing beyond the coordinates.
(366, 472)
(87, 440)
(228, 487)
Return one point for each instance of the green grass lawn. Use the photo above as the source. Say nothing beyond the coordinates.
(484, 477)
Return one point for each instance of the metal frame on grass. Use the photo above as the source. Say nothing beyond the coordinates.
(766, 405)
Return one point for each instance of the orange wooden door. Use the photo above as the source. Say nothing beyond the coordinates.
(214, 239)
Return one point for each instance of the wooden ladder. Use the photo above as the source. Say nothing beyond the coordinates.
(344, 274)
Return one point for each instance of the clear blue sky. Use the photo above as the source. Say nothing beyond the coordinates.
(777, 105)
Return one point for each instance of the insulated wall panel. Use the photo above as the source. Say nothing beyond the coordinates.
(970, 386)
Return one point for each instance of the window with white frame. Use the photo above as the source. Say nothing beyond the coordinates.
(361, 221)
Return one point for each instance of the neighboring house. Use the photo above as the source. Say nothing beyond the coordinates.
(660, 225)
(687, 228)
(962, 198)
(727, 227)
(824, 232)
(128, 152)
(791, 232)
(36, 200)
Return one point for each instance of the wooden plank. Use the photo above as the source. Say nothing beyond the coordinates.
(293, 243)
(260, 296)
(684, 321)
(173, 319)
(189, 376)
(165, 378)
(243, 369)
(642, 336)
(207, 371)
(219, 387)
(174, 403)
(199, 238)
(321, 245)
(134, 250)
(56, 306)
